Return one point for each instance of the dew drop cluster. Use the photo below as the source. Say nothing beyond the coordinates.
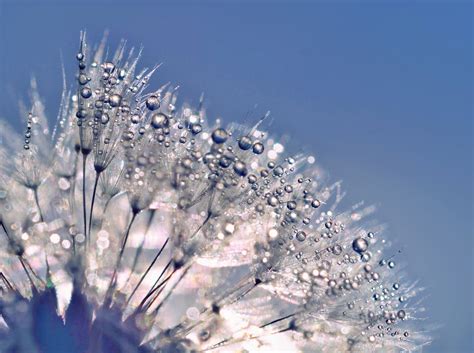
(180, 233)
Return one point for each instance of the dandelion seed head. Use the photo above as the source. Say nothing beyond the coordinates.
(139, 225)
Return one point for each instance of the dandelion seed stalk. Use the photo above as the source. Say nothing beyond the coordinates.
(185, 234)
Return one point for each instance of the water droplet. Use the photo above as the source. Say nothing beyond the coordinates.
(337, 249)
(108, 67)
(316, 203)
(81, 114)
(278, 171)
(252, 179)
(86, 92)
(360, 245)
(82, 79)
(301, 236)
(365, 257)
(135, 119)
(104, 119)
(159, 121)
(272, 201)
(196, 129)
(115, 100)
(401, 314)
(245, 143)
(240, 168)
(152, 103)
(258, 148)
(225, 162)
(219, 136)
(122, 74)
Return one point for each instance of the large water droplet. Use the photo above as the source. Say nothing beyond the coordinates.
(219, 136)
(258, 148)
(360, 245)
(159, 121)
(153, 103)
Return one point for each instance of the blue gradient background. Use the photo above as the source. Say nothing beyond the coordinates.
(381, 91)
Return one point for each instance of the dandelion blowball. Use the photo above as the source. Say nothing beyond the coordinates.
(134, 225)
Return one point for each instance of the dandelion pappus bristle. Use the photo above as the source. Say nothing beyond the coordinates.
(153, 231)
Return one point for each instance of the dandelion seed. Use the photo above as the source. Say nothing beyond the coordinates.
(139, 227)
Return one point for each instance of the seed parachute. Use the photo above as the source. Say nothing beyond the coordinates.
(135, 225)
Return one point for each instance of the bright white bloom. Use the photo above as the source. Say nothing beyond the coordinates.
(135, 226)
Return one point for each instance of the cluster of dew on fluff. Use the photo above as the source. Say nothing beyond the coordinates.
(196, 237)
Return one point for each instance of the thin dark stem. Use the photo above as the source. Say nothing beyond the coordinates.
(33, 287)
(147, 270)
(244, 293)
(33, 271)
(84, 208)
(181, 327)
(107, 203)
(35, 192)
(125, 239)
(140, 248)
(159, 290)
(6, 231)
(7, 282)
(170, 292)
(24, 263)
(278, 320)
(155, 285)
(122, 249)
(96, 182)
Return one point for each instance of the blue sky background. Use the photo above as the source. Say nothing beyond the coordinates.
(380, 91)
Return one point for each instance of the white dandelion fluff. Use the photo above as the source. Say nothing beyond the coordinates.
(134, 225)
